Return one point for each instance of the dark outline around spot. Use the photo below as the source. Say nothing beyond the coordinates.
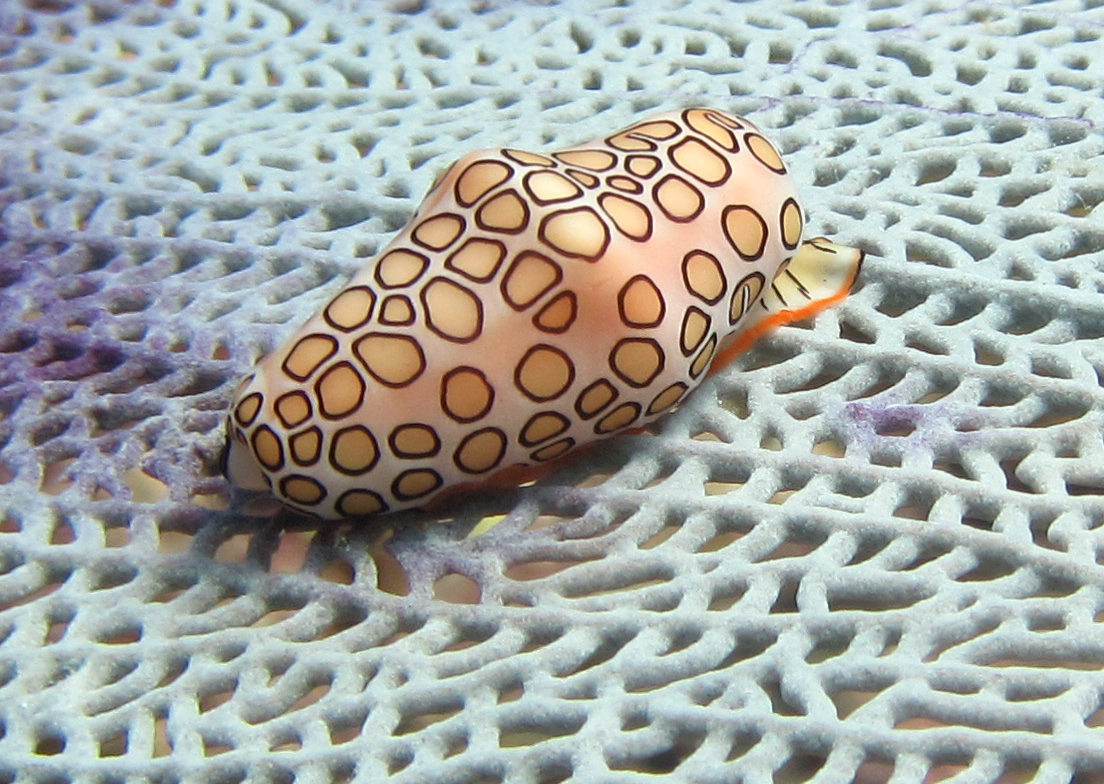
(688, 350)
(658, 165)
(782, 224)
(521, 363)
(574, 313)
(456, 186)
(579, 399)
(711, 183)
(629, 134)
(762, 223)
(257, 453)
(502, 257)
(367, 316)
(709, 115)
(408, 322)
(321, 399)
(391, 440)
(403, 496)
(237, 409)
(581, 177)
(507, 150)
(537, 454)
(300, 434)
(471, 436)
(408, 339)
(598, 424)
(526, 213)
(750, 148)
(341, 502)
(444, 397)
(435, 249)
(731, 122)
(636, 189)
(635, 129)
(541, 414)
(294, 393)
(571, 254)
(710, 348)
(544, 202)
(333, 448)
(621, 304)
(663, 209)
(686, 276)
(630, 381)
(509, 273)
(320, 363)
(740, 287)
(647, 214)
(612, 155)
(651, 406)
(302, 477)
(389, 286)
(428, 312)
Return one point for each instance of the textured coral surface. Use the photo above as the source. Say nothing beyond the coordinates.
(868, 550)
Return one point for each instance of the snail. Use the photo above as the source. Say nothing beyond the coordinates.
(535, 303)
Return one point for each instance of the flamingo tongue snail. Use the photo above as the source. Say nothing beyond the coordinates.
(534, 303)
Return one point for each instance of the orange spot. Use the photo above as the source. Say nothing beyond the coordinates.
(268, 448)
(306, 446)
(351, 308)
(400, 268)
(667, 398)
(308, 354)
(557, 315)
(478, 179)
(642, 165)
(548, 187)
(699, 161)
(248, 408)
(416, 482)
(480, 451)
(340, 390)
(506, 212)
(438, 232)
(637, 361)
(354, 450)
(764, 151)
(465, 394)
(452, 311)
(544, 373)
(594, 398)
(619, 417)
(543, 427)
(302, 489)
(411, 441)
(656, 129)
(527, 158)
(552, 451)
(628, 216)
(396, 310)
(528, 279)
(705, 123)
(640, 303)
(360, 502)
(477, 259)
(293, 408)
(595, 160)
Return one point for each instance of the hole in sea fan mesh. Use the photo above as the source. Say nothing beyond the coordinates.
(867, 550)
